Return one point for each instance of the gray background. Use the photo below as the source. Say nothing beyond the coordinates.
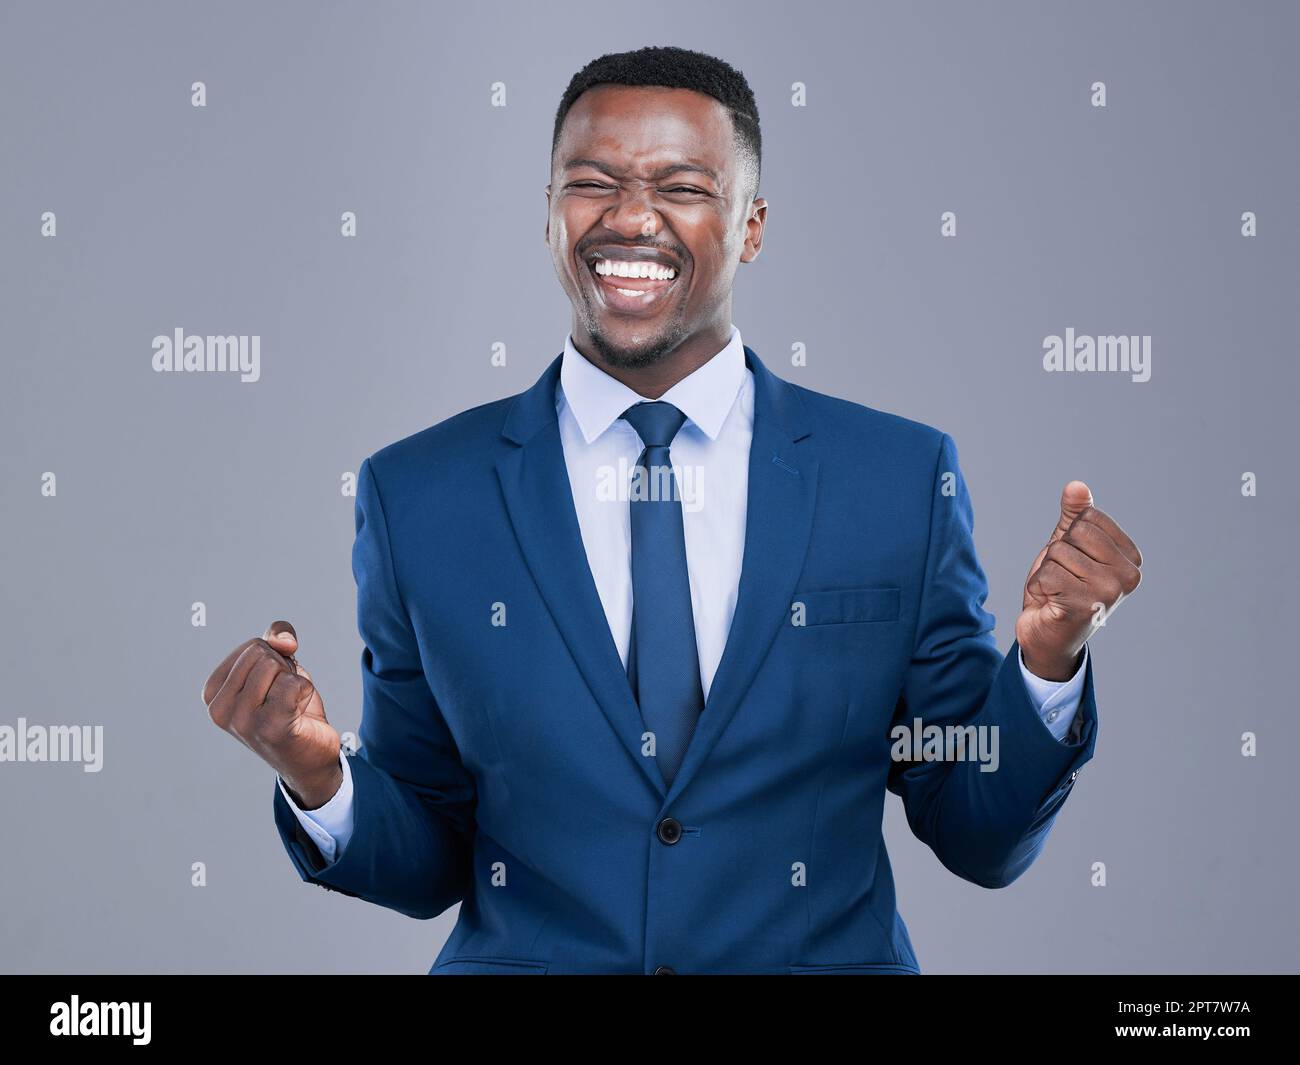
(184, 487)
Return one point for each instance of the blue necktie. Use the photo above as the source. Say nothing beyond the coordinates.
(663, 663)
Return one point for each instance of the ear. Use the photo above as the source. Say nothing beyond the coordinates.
(754, 230)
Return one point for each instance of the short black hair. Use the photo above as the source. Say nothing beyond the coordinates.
(677, 68)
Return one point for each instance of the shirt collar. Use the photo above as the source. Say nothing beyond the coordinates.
(706, 396)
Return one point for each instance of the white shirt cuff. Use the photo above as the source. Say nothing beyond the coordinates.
(1057, 701)
(330, 826)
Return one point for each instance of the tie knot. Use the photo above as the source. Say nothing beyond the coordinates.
(655, 423)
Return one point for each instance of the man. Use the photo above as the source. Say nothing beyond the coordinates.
(640, 640)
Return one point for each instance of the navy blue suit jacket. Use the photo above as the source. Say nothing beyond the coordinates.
(501, 766)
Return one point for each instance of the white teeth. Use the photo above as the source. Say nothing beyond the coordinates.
(617, 268)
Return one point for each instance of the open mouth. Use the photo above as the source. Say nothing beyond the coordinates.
(631, 286)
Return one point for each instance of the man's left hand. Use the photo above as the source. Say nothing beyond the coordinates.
(1088, 566)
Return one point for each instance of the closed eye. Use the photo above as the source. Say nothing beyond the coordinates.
(675, 188)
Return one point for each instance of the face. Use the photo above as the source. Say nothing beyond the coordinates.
(647, 220)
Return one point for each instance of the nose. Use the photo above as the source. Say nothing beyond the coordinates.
(633, 216)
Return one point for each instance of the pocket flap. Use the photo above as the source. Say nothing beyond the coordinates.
(855, 969)
(485, 966)
(839, 606)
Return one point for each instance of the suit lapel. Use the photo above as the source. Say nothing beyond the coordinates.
(535, 483)
(779, 510)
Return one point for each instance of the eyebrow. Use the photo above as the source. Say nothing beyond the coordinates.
(662, 172)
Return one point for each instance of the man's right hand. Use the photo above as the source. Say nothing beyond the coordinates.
(267, 701)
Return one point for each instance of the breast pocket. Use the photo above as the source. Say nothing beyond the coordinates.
(844, 606)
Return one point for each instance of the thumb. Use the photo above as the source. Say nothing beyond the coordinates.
(281, 636)
(1076, 497)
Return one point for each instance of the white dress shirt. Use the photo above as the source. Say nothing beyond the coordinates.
(710, 456)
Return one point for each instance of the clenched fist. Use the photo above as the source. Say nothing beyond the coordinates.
(1087, 567)
(267, 701)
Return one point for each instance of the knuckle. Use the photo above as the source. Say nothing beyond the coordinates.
(1051, 572)
(280, 690)
(1114, 591)
(1083, 529)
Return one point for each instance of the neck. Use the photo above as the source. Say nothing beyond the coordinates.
(654, 380)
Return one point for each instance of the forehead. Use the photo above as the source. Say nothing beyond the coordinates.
(641, 127)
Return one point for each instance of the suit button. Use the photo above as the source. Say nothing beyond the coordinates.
(664, 970)
(669, 831)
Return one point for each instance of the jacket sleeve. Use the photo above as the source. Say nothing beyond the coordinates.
(412, 836)
(985, 826)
